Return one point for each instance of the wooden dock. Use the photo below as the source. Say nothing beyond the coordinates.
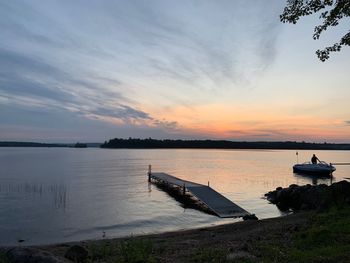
(214, 201)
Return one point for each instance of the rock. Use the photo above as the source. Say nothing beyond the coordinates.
(340, 191)
(322, 186)
(190, 242)
(283, 199)
(271, 196)
(77, 254)
(318, 197)
(322, 207)
(244, 246)
(304, 206)
(250, 217)
(294, 228)
(31, 255)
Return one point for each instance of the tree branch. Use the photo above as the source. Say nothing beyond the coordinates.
(337, 10)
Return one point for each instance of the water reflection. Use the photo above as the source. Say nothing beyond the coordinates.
(149, 188)
(315, 179)
(57, 192)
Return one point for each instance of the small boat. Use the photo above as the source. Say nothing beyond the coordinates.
(321, 168)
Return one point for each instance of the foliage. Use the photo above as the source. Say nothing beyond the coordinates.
(216, 255)
(132, 250)
(209, 255)
(136, 250)
(326, 239)
(101, 251)
(3, 258)
(331, 11)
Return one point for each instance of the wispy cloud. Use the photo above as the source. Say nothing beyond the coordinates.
(102, 62)
(122, 112)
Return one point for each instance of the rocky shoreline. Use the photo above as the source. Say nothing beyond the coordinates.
(307, 197)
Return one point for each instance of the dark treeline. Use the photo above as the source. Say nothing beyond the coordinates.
(80, 145)
(38, 144)
(220, 144)
(31, 144)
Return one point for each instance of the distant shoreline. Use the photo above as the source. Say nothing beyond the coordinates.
(188, 144)
(48, 145)
(219, 144)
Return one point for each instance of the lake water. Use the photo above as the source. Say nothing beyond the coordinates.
(51, 195)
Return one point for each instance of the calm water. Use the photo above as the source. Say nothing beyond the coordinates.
(50, 195)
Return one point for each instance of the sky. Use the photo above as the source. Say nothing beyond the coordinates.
(90, 71)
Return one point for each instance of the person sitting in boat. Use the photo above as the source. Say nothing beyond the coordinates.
(314, 159)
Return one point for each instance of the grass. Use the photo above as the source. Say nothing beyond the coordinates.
(133, 250)
(208, 255)
(218, 255)
(3, 258)
(325, 239)
(101, 251)
(137, 250)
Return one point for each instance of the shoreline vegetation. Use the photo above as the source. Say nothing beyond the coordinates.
(318, 231)
(48, 145)
(133, 143)
(220, 144)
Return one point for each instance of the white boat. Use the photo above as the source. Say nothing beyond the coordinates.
(321, 168)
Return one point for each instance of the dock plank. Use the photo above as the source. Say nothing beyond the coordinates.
(173, 180)
(218, 203)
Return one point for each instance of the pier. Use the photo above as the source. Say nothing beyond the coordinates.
(204, 194)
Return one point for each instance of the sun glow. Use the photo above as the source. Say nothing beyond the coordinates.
(236, 122)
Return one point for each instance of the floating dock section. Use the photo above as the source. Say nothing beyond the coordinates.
(214, 201)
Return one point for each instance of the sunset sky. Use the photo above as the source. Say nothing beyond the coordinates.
(95, 70)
